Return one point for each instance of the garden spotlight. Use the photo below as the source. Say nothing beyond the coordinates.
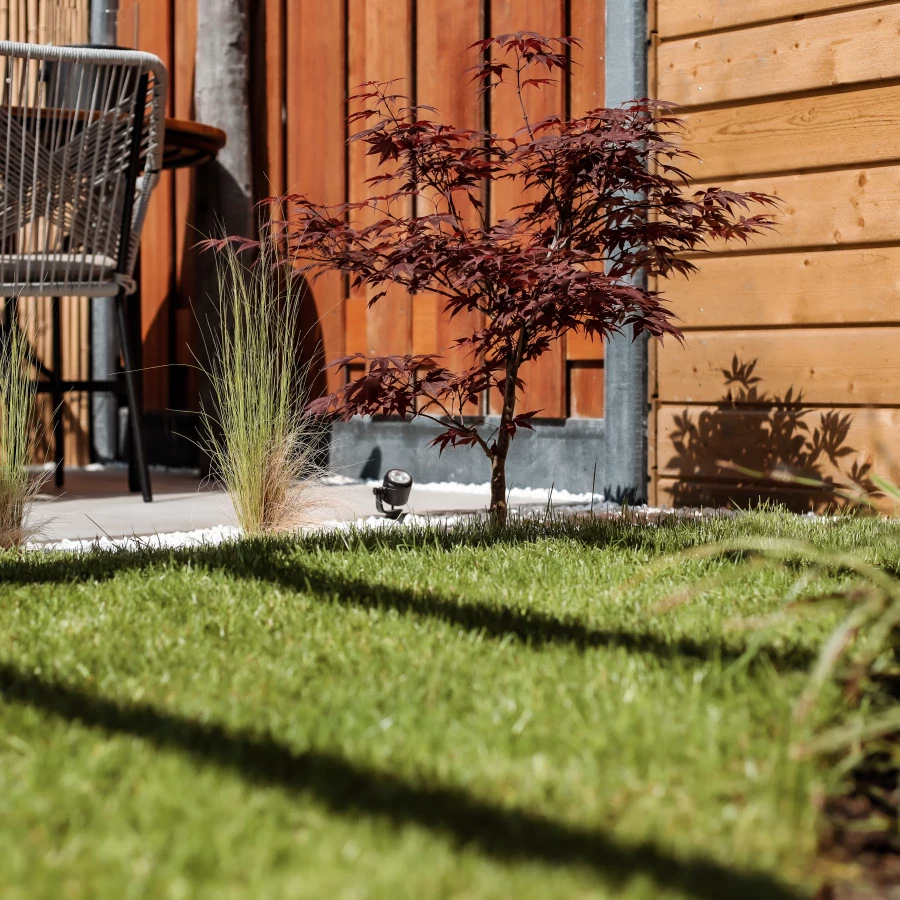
(394, 491)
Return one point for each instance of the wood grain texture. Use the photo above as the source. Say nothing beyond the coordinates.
(75, 315)
(183, 376)
(40, 21)
(545, 378)
(426, 314)
(381, 38)
(848, 128)
(679, 17)
(587, 80)
(275, 174)
(585, 390)
(829, 443)
(445, 31)
(826, 366)
(356, 331)
(824, 51)
(677, 493)
(826, 287)
(581, 348)
(182, 89)
(316, 90)
(587, 90)
(828, 209)
(157, 259)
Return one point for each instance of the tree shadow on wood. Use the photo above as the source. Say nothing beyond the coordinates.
(779, 437)
(351, 789)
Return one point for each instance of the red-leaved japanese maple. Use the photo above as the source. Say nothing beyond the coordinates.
(603, 199)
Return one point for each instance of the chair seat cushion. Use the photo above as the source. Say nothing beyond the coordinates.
(58, 274)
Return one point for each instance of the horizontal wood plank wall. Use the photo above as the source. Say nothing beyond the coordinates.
(805, 54)
(790, 341)
(680, 17)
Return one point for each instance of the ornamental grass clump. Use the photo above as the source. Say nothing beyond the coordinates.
(262, 447)
(17, 399)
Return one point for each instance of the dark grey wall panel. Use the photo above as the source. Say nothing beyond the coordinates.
(559, 453)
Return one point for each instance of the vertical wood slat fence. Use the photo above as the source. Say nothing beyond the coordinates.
(308, 54)
(58, 22)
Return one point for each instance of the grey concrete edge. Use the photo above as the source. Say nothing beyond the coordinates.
(567, 454)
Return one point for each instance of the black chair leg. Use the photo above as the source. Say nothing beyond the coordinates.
(56, 393)
(138, 474)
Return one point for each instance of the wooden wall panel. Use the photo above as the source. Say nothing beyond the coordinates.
(848, 128)
(545, 378)
(829, 209)
(678, 493)
(182, 375)
(157, 259)
(315, 153)
(812, 308)
(274, 176)
(42, 21)
(445, 31)
(380, 33)
(829, 366)
(581, 347)
(693, 439)
(587, 90)
(587, 80)
(585, 389)
(823, 51)
(75, 314)
(678, 17)
(305, 60)
(828, 288)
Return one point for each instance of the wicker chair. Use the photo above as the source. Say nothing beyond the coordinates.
(81, 143)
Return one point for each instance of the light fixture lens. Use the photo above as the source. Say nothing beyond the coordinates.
(397, 477)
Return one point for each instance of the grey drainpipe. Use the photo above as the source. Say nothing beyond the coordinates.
(104, 407)
(625, 402)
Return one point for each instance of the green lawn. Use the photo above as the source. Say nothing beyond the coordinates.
(413, 715)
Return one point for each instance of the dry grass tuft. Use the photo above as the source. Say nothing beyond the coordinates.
(17, 399)
(263, 448)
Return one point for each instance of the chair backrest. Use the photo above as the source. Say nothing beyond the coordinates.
(81, 143)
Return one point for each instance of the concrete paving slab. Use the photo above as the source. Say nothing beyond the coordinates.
(95, 503)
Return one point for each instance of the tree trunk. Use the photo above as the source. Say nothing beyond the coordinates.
(223, 192)
(498, 460)
(498, 489)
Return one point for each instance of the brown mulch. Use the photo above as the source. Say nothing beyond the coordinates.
(860, 842)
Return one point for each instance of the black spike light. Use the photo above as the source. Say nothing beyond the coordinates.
(394, 491)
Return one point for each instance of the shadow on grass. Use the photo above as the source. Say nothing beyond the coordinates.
(348, 788)
(272, 561)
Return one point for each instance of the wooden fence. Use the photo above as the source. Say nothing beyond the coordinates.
(308, 54)
(61, 22)
(791, 343)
